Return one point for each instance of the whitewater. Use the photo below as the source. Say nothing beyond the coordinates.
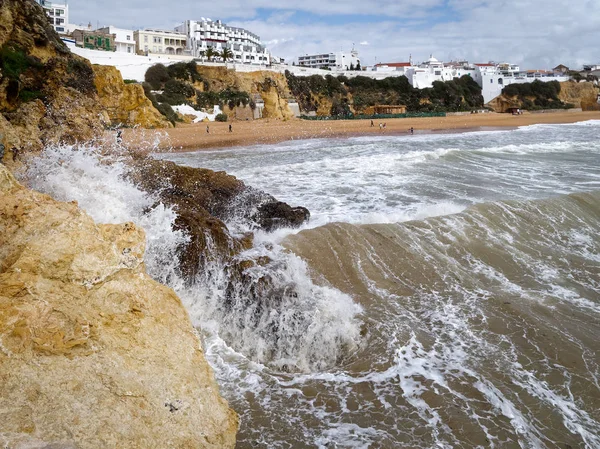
(445, 293)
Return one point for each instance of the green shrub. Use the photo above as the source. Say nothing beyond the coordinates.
(127, 81)
(13, 60)
(156, 76)
(221, 117)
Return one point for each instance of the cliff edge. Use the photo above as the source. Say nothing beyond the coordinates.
(93, 352)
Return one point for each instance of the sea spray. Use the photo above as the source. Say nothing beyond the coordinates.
(277, 316)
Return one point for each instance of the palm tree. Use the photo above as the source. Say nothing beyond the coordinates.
(226, 54)
(211, 53)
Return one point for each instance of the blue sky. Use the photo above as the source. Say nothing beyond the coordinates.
(532, 33)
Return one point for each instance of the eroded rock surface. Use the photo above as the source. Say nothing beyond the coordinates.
(93, 352)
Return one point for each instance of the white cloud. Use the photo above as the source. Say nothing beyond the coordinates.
(532, 33)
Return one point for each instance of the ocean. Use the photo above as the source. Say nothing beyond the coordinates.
(445, 293)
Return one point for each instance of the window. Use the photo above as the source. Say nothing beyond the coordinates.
(128, 37)
(59, 12)
(491, 81)
(128, 49)
(60, 29)
(438, 72)
(146, 39)
(499, 80)
(145, 48)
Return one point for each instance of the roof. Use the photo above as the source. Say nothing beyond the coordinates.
(394, 64)
(485, 65)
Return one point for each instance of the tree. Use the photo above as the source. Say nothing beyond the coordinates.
(157, 75)
(211, 53)
(351, 67)
(358, 67)
(226, 54)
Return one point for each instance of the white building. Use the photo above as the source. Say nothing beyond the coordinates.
(331, 61)
(124, 41)
(160, 42)
(206, 33)
(58, 14)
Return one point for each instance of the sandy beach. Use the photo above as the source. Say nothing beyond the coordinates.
(191, 137)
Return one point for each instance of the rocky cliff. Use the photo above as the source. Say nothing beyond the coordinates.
(93, 352)
(125, 103)
(578, 95)
(582, 95)
(271, 87)
(48, 94)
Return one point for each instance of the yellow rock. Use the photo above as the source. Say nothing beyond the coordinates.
(93, 352)
(126, 103)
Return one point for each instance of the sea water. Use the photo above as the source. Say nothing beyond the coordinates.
(446, 291)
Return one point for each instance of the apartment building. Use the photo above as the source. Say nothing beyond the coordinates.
(205, 33)
(160, 41)
(58, 13)
(123, 39)
(330, 61)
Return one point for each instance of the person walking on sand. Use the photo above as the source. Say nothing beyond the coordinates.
(119, 136)
(230, 130)
(381, 126)
(412, 130)
(207, 130)
(372, 124)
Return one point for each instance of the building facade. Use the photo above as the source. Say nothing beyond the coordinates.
(124, 40)
(160, 41)
(331, 61)
(58, 13)
(203, 34)
(94, 40)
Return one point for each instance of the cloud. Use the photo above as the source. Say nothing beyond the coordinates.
(532, 33)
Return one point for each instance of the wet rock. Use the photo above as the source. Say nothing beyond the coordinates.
(93, 352)
(204, 200)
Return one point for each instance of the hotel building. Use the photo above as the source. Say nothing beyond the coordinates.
(160, 41)
(206, 33)
(330, 61)
(58, 13)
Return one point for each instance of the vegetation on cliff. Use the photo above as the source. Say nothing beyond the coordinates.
(355, 95)
(181, 83)
(537, 95)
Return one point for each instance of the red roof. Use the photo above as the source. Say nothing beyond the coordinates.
(394, 64)
(486, 65)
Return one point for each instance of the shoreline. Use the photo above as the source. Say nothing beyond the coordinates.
(193, 137)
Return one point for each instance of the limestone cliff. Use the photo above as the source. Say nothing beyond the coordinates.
(93, 352)
(125, 103)
(270, 86)
(582, 95)
(47, 94)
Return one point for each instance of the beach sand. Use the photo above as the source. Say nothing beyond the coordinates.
(191, 137)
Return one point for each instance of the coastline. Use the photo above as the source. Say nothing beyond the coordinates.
(193, 137)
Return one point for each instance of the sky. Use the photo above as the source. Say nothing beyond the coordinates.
(536, 34)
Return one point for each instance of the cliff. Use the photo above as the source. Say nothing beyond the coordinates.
(271, 87)
(93, 352)
(581, 95)
(554, 95)
(125, 103)
(49, 95)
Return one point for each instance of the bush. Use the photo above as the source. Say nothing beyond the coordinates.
(156, 76)
(221, 117)
(130, 81)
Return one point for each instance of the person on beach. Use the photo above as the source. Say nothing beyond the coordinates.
(384, 126)
(207, 130)
(119, 136)
(230, 130)
(381, 126)
(372, 124)
(412, 130)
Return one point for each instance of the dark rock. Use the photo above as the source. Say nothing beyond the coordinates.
(276, 214)
(204, 200)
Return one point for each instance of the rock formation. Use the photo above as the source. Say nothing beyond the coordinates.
(203, 200)
(125, 103)
(582, 95)
(93, 352)
(47, 94)
(271, 87)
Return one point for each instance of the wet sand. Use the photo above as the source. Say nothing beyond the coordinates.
(191, 137)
